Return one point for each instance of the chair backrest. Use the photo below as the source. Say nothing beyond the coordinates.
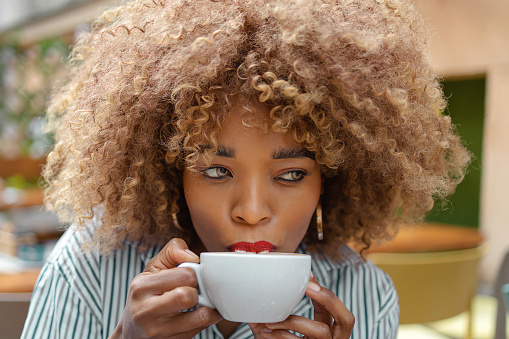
(500, 286)
(505, 294)
(432, 285)
(13, 312)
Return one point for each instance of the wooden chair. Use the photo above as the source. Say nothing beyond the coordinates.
(501, 285)
(433, 285)
(505, 293)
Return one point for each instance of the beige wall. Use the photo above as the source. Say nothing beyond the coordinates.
(472, 38)
(470, 35)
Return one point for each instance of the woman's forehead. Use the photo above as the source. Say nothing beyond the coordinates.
(243, 126)
(251, 123)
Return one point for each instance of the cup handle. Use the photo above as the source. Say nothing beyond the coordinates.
(203, 298)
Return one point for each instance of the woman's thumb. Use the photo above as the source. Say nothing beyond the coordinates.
(174, 253)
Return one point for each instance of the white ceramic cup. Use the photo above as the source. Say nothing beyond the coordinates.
(252, 288)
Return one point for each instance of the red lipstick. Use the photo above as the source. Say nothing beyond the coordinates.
(257, 247)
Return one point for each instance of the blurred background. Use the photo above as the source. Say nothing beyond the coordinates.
(469, 50)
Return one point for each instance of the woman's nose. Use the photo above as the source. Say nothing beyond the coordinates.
(252, 205)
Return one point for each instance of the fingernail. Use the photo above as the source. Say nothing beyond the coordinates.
(191, 253)
(314, 286)
(266, 330)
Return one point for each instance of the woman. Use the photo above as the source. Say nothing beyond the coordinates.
(203, 125)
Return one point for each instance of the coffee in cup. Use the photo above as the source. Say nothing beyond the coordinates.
(249, 287)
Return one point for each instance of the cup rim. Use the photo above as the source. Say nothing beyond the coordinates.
(255, 255)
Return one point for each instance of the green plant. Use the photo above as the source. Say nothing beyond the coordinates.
(27, 76)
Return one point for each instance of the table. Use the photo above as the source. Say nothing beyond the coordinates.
(431, 237)
(19, 282)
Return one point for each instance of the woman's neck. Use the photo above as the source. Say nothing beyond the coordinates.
(227, 327)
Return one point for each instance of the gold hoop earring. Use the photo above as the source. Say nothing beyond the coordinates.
(319, 224)
(175, 221)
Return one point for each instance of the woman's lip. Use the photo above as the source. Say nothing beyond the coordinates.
(256, 247)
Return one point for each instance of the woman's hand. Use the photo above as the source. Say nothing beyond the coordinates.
(156, 296)
(331, 318)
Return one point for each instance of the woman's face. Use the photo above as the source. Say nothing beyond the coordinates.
(258, 193)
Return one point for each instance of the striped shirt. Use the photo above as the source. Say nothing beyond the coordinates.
(82, 295)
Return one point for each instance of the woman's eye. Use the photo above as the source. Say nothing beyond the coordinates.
(292, 176)
(216, 172)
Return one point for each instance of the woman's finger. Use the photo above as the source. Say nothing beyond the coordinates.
(320, 312)
(181, 323)
(176, 300)
(162, 281)
(278, 334)
(173, 254)
(327, 301)
(262, 331)
(308, 327)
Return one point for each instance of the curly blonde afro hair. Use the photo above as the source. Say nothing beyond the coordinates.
(153, 80)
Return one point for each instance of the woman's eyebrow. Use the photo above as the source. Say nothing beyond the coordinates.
(226, 152)
(289, 153)
(282, 153)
